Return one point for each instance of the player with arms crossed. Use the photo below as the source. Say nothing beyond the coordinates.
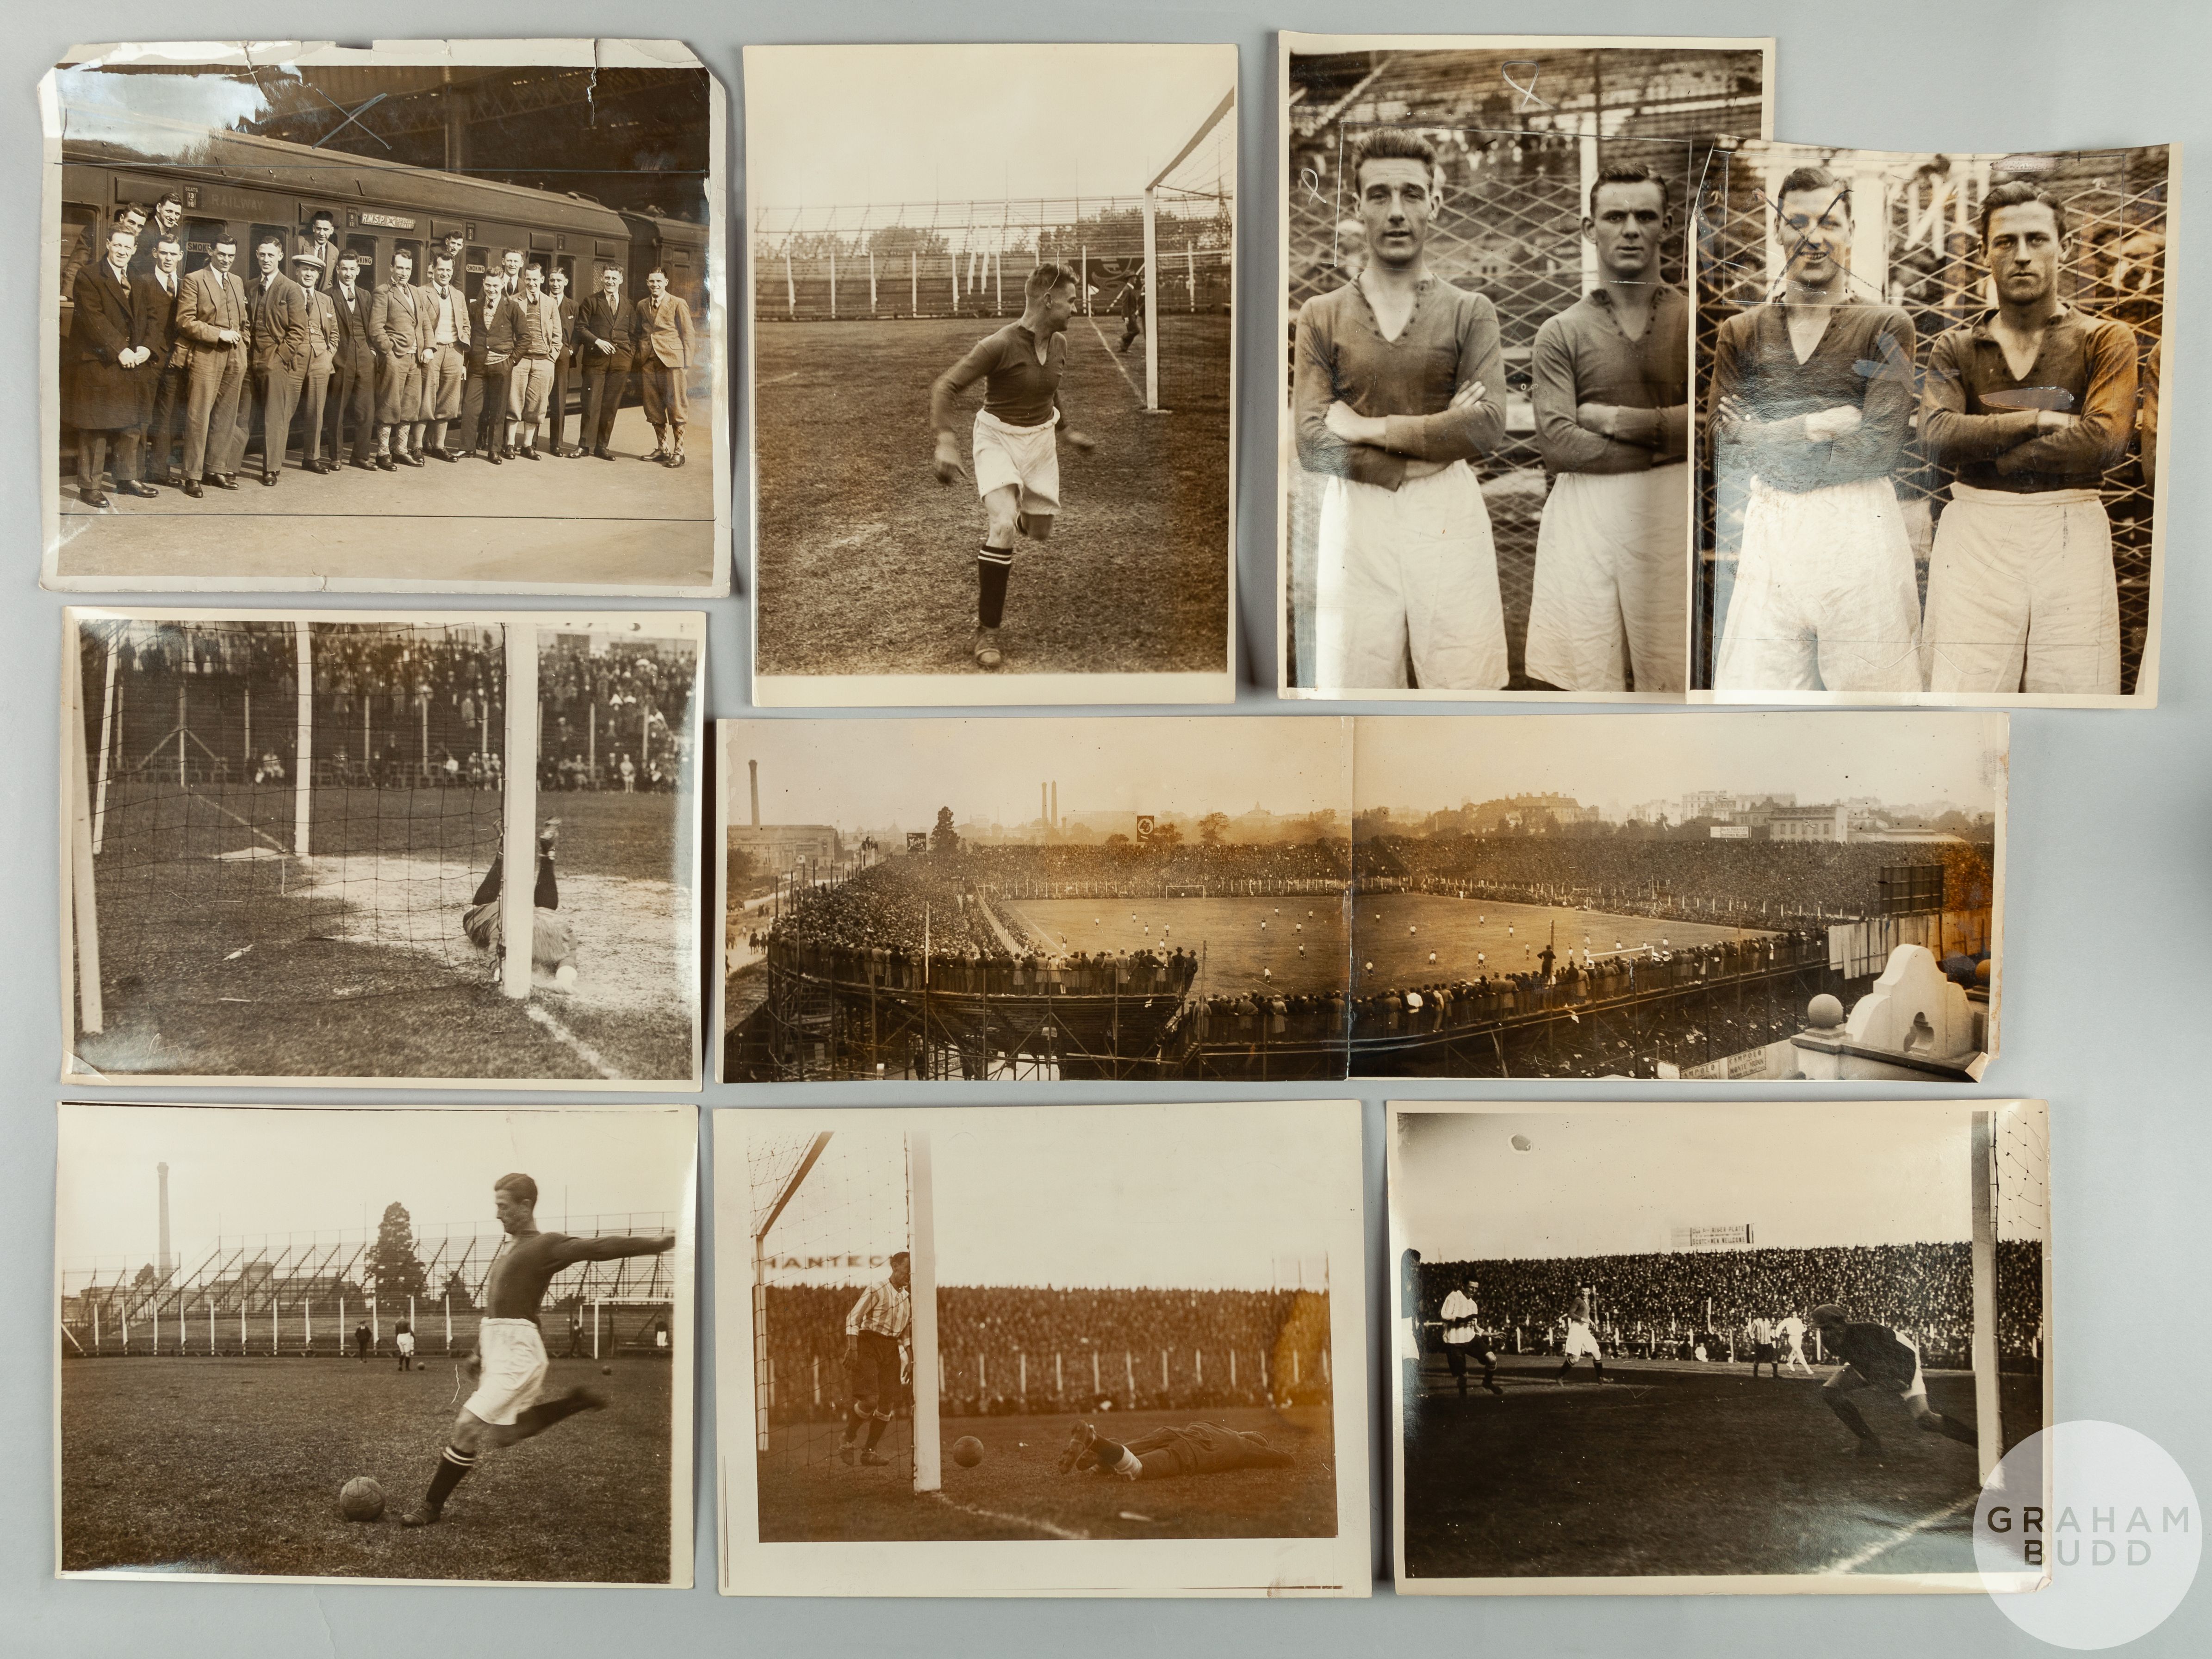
(1016, 438)
(1195, 1448)
(1611, 389)
(1401, 381)
(1463, 1336)
(1873, 1357)
(878, 1339)
(1582, 1341)
(1813, 396)
(2026, 406)
(510, 1364)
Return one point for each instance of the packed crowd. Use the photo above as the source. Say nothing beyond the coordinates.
(614, 719)
(1010, 1350)
(1157, 869)
(1672, 1304)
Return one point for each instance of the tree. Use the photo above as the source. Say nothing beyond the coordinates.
(397, 1271)
(944, 838)
(1167, 835)
(1117, 839)
(457, 1290)
(1212, 828)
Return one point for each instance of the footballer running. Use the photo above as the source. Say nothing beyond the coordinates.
(1874, 1357)
(1463, 1337)
(1582, 1342)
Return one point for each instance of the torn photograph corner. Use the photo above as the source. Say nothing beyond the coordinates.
(292, 282)
(1023, 1351)
(296, 845)
(1483, 468)
(892, 908)
(462, 1352)
(1715, 896)
(992, 367)
(1799, 1341)
(1930, 436)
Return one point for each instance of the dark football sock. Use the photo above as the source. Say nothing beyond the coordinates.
(1565, 1368)
(548, 894)
(853, 1417)
(1109, 1452)
(1597, 1369)
(993, 566)
(1951, 1427)
(540, 1418)
(1852, 1421)
(876, 1427)
(452, 1468)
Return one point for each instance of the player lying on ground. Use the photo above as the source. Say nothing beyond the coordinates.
(1195, 1448)
(878, 1332)
(1017, 452)
(1582, 1341)
(510, 1364)
(1459, 1316)
(552, 942)
(1874, 1357)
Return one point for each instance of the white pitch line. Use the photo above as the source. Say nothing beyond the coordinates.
(1114, 358)
(1045, 1527)
(583, 1050)
(1853, 1563)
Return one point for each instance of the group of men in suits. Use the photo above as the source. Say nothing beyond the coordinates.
(410, 368)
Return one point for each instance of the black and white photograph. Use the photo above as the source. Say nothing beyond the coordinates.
(892, 908)
(992, 369)
(373, 1345)
(295, 846)
(1930, 445)
(280, 265)
(1088, 1350)
(1746, 897)
(1485, 479)
(1683, 1348)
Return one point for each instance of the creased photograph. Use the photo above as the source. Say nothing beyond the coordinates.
(463, 1353)
(996, 1351)
(291, 284)
(1931, 429)
(1747, 1349)
(296, 846)
(992, 373)
(1484, 465)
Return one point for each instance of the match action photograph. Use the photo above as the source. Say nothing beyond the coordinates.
(992, 373)
(1045, 1344)
(893, 909)
(1484, 463)
(1931, 451)
(296, 845)
(1699, 1349)
(347, 1344)
(1714, 896)
(272, 265)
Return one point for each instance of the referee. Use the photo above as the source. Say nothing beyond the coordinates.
(877, 1335)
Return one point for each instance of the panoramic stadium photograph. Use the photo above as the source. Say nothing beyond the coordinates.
(1043, 1333)
(992, 366)
(287, 839)
(347, 1344)
(1689, 1347)
(1034, 899)
(1756, 896)
(295, 284)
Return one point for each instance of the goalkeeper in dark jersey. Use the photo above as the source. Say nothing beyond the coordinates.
(1016, 441)
(553, 942)
(1874, 1357)
(1195, 1448)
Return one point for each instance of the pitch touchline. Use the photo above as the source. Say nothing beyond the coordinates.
(1114, 358)
(583, 1050)
(250, 827)
(1017, 1520)
(1853, 1563)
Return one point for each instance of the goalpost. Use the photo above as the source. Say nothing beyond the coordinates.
(1190, 229)
(2009, 1173)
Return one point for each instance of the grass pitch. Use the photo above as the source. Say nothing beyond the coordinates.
(1017, 1492)
(1397, 931)
(233, 1466)
(1670, 1469)
(867, 565)
(1250, 944)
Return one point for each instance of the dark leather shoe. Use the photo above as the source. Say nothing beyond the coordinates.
(493, 456)
(677, 459)
(604, 454)
(269, 480)
(445, 455)
(506, 452)
(363, 463)
(223, 481)
(409, 459)
(529, 453)
(192, 488)
(134, 487)
(93, 497)
(167, 480)
(385, 464)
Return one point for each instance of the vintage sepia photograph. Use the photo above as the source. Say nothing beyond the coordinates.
(1484, 465)
(892, 907)
(1768, 896)
(1050, 1336)
(1682, 1348)
(370, 1375)
(277, 264)
(1929, 448)
(993, 371)
(287, 840)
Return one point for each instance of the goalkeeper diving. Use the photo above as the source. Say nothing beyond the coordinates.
(553, 941)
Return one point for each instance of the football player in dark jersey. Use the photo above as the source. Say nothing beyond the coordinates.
(1874, 1357)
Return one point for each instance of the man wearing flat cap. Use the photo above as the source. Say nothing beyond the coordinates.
(322, 330)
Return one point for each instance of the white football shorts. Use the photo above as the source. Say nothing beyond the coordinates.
(1918, 1387)
(1609, 593)
(1407, 575)
(405, 1341)
(1026, 457)
(2022, 595)
(1582, 1343)
(513, 1355)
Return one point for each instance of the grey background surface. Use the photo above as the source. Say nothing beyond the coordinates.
(2109, 909)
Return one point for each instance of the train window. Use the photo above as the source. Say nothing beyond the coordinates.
(248, 265)
(566, 263)
(480, 261)
(365, 246)
(74, 217)
(413, 249)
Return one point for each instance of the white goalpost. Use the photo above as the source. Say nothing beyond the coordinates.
(518, 914)
(1211, 178)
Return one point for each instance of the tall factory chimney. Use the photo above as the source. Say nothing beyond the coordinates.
(163, 1169)
(1055, 804)
(753, 767)
(1044, 805)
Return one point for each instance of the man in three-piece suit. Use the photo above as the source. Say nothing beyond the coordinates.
(172, 365)
(495, 325)
(211, 317)
(664, 361)
(564, 365)
(276, 319)
(322, 347)
(354, 366)
(108, 348)
(445, 365)
(396, 324)
(605, 336)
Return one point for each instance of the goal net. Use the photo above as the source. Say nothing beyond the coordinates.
(1187, 276)
(829, 1212)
